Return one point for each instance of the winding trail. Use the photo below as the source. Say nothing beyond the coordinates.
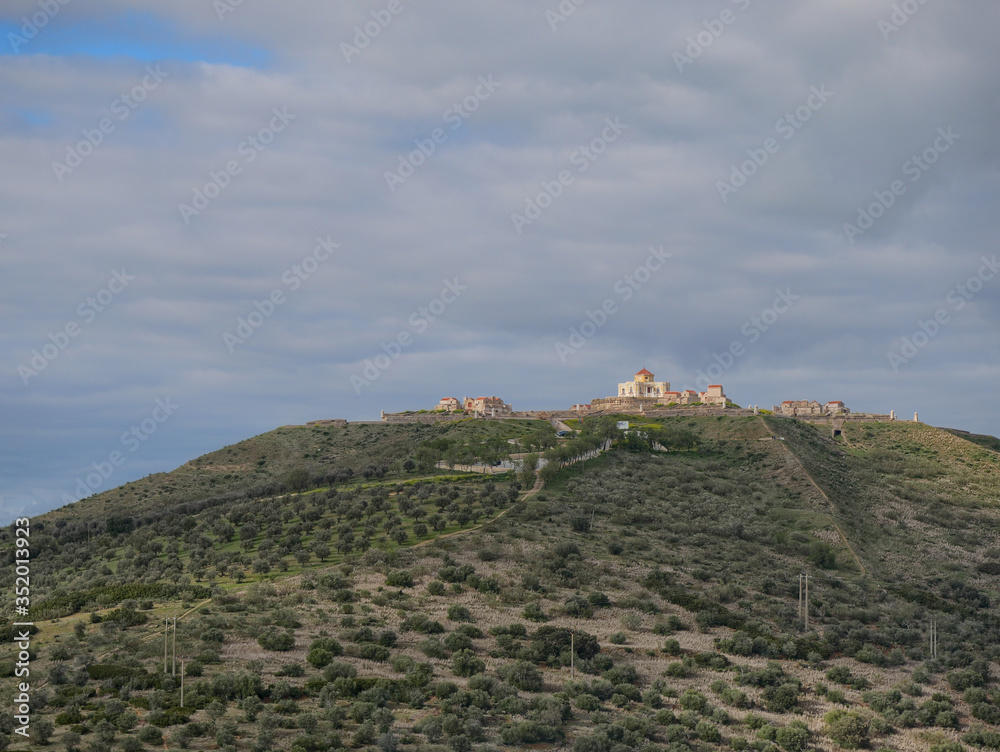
(843, 537)
(528, 494)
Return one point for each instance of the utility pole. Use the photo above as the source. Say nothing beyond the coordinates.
(934, 638)
(166, 632)
(805, 610)
(174, 673)
(800, 595)
(182, 682)
(572, 656)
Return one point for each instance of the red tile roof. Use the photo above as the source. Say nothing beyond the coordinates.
(644, 372)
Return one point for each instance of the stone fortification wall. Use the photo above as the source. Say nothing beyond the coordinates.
(423, 417)
(666, 412)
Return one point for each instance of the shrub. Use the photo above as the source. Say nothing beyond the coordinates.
(712, 660)
(469, 631)
(276, 639)
(465, 663)
(457, 641)
(421, 623)
(457, 612)
(754, 721)
(435, 587)
(781, 699)
(974, 695)
(150, 735)
(836, 696)
(130, 744)
(291, 669)
(694, 700)
(707, 732)
(840, 675)
(986, 712)
(672, 647)
(847, 728)
(598, 600)
(323, 651)
(372, 652)
(522, 675)
(962, 680)
(551, 645)
(947, 747)
(794, 737)
(734, 698)
(338, 670)
(587, 702)
(618, 638)
(432, 648)
(400, 579)
(630, 691)
(651, 698)
(529, 732)
(484, 584)
(676, 670)
(533, 612)
(981, 737)
(578, 607)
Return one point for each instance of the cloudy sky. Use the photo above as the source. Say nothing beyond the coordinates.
(218, 217)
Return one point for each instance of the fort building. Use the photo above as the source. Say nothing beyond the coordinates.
(644, 391)
(485, 407)
(800, 408)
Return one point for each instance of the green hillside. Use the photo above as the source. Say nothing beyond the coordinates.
(342, 588)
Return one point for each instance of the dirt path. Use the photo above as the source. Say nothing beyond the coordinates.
(812, 482)
(528, 494)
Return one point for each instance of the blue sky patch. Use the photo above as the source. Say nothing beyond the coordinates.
(141, 36)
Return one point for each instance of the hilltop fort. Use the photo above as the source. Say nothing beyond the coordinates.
(642, 394)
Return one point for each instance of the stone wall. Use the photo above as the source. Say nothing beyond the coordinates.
(422, 417)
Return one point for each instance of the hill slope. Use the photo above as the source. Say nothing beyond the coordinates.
(642, 599)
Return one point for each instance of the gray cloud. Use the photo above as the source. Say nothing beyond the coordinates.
(325, 175)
